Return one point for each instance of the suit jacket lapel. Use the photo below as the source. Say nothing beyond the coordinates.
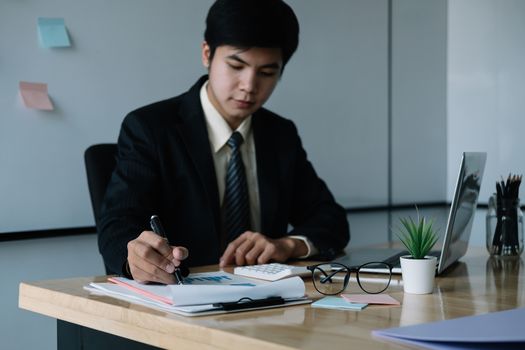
(267, 174)
(194, 134)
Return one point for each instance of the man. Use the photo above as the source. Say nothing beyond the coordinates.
(226, 176)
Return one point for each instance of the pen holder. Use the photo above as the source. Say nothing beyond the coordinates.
(504, 225)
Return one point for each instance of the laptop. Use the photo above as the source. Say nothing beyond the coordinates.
(459, 224)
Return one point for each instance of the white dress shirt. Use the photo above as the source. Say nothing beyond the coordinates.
(219, 133)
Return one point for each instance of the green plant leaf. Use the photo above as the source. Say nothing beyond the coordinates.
(417, 236)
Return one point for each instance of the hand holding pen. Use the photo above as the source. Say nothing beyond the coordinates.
(156, 226)
(152, 259)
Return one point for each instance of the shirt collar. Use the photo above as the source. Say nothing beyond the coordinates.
(218, 129)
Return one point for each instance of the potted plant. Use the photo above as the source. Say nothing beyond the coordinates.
(418, 269)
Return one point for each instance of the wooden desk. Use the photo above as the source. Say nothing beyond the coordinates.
(476, 285)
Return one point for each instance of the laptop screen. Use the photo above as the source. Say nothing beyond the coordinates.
(463, 208)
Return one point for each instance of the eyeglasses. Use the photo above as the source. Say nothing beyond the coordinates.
(333, 278)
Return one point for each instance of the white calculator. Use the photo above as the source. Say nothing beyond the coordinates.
(272, 271)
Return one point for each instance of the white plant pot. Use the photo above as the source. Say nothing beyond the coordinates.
(418, 274)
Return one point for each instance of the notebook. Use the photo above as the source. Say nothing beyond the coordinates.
(206, 293)
(459, 224)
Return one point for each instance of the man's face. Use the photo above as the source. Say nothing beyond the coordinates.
(241, 80)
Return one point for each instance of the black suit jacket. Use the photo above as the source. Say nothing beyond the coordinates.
(165, 167)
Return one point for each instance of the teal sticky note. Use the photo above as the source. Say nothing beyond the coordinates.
(52, 33)
(337, 303)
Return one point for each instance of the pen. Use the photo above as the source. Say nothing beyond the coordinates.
(156, 226)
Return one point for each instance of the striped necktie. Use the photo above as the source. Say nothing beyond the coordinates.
(236, 207)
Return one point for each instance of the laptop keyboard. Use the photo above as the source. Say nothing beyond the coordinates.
(394, 260)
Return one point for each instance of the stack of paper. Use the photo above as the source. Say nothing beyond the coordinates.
(201, 292)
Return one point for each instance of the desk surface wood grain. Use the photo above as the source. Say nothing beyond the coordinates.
(476, 285)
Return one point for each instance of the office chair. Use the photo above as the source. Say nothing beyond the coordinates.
(100, 161)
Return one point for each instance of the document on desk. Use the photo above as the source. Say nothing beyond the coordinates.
(496, 330)
(204, 293)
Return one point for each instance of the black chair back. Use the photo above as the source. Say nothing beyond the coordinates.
(100, 161)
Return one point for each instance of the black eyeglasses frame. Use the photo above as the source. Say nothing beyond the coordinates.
(349, 271)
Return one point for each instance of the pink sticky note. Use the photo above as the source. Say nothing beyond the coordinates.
(35, 96)
(383, 299)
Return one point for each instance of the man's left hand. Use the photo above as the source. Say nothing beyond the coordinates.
(252, 248)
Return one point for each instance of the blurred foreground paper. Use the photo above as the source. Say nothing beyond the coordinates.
(496, 330)
(35, 96)
(52, 33)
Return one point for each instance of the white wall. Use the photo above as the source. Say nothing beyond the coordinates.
(336, 90)
(486, 86)
(456, 84)
(419, 140)
(127, 53)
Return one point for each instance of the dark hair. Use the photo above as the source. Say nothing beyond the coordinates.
(252, 23)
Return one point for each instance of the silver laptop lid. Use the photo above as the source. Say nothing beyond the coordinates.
(463, 209)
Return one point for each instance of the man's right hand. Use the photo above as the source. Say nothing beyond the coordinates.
(152, 259)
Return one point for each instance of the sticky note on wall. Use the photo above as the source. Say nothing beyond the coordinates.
(52, 33)
(35, 96)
